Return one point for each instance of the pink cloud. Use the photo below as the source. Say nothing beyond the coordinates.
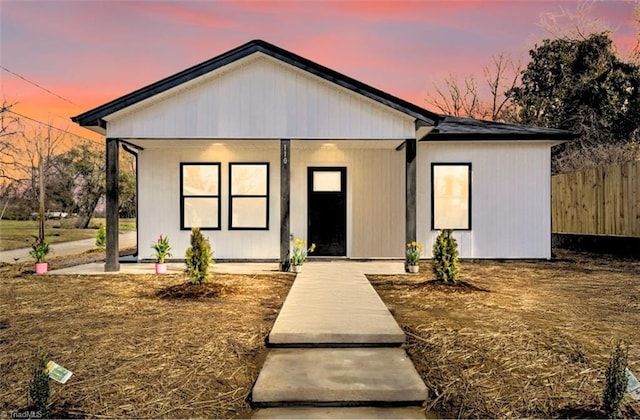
(187, 13)
(92, 52)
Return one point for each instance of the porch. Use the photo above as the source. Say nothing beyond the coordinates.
(353, 198)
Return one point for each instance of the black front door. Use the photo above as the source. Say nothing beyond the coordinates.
(327, 210)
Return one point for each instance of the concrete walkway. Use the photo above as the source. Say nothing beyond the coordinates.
(337, 350)
(333, 303)
(127, 240)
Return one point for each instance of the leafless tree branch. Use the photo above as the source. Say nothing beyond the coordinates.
(635, 53)
(573, 24)
(465, 98)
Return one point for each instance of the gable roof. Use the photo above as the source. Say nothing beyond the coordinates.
(458, 128)
(94, 117)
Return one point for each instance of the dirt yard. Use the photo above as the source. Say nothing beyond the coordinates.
(532, 339)
(135, 354)
(535, 342)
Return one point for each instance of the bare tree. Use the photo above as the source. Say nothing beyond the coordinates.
(466, 99)
(453, 97)
(10, 128)
(502, 77)
(37, 149)
(635, 53)
(579, 156)
(573, 24)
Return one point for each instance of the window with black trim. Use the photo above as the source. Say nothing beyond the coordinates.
(200, 196)
(451, 196)
(249, 196)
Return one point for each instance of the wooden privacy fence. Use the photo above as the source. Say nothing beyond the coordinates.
(598, 201)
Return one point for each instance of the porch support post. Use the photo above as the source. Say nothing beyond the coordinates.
(112, 191)
(410, 197)
(285, 194)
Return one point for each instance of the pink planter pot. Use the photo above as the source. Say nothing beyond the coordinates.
(161, 268)
(41, 268)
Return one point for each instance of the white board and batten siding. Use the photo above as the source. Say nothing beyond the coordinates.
(159, 197)
(259, 97)
(510, 197)
(375, 193)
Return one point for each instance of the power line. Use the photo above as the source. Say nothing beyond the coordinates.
(51, 126)
(40, 87)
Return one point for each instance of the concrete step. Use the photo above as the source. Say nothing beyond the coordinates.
(328, 309)
(342, 413)
(338, 377)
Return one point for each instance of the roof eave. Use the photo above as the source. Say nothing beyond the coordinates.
(556, 137)
(88, 118)
(97, 114)
(354, 85)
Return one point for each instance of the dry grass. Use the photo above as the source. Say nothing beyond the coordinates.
(135, 354)
(535, 344)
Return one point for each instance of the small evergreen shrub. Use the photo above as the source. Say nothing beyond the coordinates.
(198, 257)
(101, 237)
(445, 257)
(615, 383)
(39, 384)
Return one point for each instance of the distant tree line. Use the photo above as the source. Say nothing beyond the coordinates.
(47, 171)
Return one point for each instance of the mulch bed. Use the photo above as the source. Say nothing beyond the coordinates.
(528, 339)
(135, 354)
(394, 281)
(194, 291)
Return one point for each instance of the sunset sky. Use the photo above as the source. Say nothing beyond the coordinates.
(89, 52)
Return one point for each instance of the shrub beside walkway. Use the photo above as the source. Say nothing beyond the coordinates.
(336, 350)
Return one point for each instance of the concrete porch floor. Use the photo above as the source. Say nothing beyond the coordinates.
(172, 268)
(345, 266)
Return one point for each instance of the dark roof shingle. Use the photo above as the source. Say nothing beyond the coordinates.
(458, 128)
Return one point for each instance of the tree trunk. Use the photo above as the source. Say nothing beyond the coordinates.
(83, 221)
(85, 216)
(41, 199)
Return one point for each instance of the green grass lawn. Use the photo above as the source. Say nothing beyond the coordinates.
(20, 233)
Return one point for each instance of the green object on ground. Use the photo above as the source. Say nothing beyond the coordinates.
(198, 257)
(101, 237)
(445, 257)
(615, 383)
(39, 385)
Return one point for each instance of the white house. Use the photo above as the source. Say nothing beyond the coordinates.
(259, 145)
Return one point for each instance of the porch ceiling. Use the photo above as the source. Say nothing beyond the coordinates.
(345, 144)
(264, 144)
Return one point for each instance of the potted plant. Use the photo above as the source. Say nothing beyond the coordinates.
(39, 250)
(299, 255)
(162, 248)
(414, 251)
